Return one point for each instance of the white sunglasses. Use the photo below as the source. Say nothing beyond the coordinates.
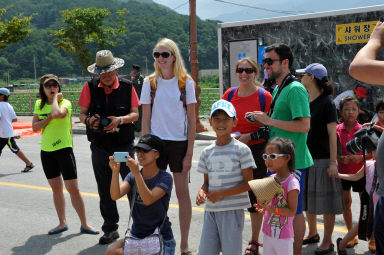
(272, 156)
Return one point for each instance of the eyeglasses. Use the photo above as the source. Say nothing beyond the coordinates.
(51, 85)
(163, 54)
(269, 61)
(137, 150)
(246, 70)
(272, 156)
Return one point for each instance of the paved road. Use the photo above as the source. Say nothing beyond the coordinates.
(27, 211)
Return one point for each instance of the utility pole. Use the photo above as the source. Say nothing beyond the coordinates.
(34, 66)
(194, 61)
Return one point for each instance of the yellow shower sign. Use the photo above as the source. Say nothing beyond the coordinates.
(354, 32)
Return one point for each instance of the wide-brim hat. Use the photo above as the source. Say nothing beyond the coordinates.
(265, 189)
(105, 63)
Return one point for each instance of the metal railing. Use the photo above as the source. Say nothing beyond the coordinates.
(24, 102)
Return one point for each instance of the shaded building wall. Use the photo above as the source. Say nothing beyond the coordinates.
(311, 40)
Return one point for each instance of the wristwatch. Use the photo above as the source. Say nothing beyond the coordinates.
(121, 121)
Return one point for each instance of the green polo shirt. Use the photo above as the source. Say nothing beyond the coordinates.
(57, 134)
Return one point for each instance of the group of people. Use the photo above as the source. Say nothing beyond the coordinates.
(292, 134)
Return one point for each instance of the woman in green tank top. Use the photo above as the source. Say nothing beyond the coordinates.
(52, 115)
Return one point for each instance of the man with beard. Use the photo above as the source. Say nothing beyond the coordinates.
(289, 118)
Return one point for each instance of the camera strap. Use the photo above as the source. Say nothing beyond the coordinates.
(287, 80)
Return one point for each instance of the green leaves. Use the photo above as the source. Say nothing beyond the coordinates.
(14, 30)
(84, 29)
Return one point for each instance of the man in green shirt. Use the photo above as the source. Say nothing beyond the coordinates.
(290, 119)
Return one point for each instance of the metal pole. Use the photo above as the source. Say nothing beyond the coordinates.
(194, 61)
(34, 66)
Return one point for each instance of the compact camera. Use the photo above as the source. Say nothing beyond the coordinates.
(120, 156)
(252, 119)
(262, 133)
(366, 139)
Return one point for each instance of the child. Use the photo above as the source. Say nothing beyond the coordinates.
(153, 192)
(279, 213)
(370, 171)
(7, 116)
(348, 163)
(227, 167)
(379, 126)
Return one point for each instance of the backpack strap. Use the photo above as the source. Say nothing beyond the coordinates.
(181, 83)
(261, 98)
(231, 93)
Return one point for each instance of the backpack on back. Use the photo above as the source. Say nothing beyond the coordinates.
(182, 84)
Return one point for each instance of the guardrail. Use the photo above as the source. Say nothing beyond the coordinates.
(24, 102)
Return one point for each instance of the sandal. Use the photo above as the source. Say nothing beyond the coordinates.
(372, 246)
(252, 251)
(89, 231)
(313, 239)
(340, 252)
(28, 168)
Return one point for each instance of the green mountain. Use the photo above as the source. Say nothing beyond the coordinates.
(147, 22)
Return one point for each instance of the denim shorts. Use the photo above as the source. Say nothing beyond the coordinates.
(169, 246)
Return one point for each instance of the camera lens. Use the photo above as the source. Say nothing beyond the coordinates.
(354, 146)
(104, 122)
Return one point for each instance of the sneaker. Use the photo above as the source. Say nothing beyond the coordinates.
(28, 168)
(109, 237)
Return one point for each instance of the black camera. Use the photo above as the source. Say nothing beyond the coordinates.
(262, 133)
(252, 119)
(366, 139)
(104, 121)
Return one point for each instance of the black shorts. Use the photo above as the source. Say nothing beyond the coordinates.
(10, 141)
(175, 153)
(60, 162)
(357, 186)
(259, 172)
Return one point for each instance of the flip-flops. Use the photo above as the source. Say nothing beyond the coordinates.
(57, 230)
(89, 231)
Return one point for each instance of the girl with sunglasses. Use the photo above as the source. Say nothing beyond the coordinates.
(279, 157)
(173, 121)
(248, 97)
(52, 115)
(323, 194)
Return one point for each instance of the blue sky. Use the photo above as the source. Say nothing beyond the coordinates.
(213, 9)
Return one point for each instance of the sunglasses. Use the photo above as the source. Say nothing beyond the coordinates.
(163, 54)
(246, 70)
(51, 85)
(272, 156)
(137, 150)
(269, 61)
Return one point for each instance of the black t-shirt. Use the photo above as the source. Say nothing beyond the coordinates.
(323, 112)
(147, 218)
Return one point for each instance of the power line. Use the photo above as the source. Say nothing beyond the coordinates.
(181, 5)
(264, 9)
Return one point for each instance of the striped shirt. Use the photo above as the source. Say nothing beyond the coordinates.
(224, 166)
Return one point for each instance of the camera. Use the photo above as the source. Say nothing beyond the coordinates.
(262, 133)
(252, 119)
(366, 139)
(104, 121)
(120, 156)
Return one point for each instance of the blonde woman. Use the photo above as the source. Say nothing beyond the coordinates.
(250, 96)
(168, 101)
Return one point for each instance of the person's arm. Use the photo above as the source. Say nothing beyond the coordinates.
(202, 193)
(364, 66)
(191, 119)
(40, 124)
(116, 190)
(291, 208)
(146, 119)
(301, 124)
(90, 121)
(352, 177)
(57, 111)
(332, 169)
(148, 196)
(215, 196)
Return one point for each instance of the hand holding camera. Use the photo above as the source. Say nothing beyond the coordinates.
(257, 117)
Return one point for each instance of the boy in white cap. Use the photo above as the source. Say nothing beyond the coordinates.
(7, 116)
(227, 167)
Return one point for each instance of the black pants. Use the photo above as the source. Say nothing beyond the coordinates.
(103, 175)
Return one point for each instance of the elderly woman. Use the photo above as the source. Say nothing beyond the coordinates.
(250, 96)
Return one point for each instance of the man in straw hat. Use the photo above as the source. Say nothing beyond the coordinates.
(108, 108)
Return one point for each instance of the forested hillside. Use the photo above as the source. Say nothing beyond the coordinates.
(146, 24)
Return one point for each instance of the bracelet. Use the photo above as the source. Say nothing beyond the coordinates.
(86, 120)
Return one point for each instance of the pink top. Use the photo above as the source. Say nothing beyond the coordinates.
(369, 173)
(85, 96)
(344, 137)
(279, 226)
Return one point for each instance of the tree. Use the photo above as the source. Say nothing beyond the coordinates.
(85, 30)
(14, 30)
